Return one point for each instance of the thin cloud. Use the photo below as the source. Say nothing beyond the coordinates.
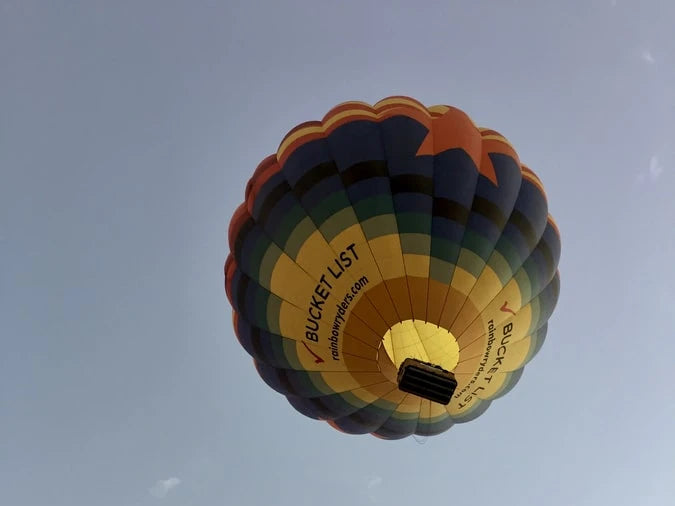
(655, 168)
(373, 484)
(653, 171)
(162, 487)
(648, 57)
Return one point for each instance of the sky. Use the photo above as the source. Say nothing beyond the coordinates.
(128, 131)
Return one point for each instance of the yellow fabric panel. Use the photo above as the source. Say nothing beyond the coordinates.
(293, 325)
(516, 354)
(367, 266)
(381, 299)
(387, 250)
(318, 358)
(466, 367)
(475, 348)
(291, 283)
(344, 381)
(462, 281)
(509, 295)
(416, 265)
(418, 289)
(398, 290)
(486, 288)
(352, 347)
(313, 254)
(402, 401)
(410, 405)
(436, 409)
(437, 293)
(456, 408)
(493, 386)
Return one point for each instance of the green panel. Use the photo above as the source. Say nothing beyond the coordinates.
(380, 226)
(523, 284)
(444, 249)
(337, 223)
(476, 243)
(273, 309)
(440, 270)
(374, 206)
(419, 244)
(290, 222)
(470, 262)
(414, 223)
(331, 205)
(301, 233)
(501, 267)
(267, 264)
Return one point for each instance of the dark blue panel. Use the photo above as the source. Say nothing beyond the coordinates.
(446, 229)
(355, 142)
(365, 420)
(280, 211)
(420, 166)
(509, 178)
(327, 407)
(262, 345)
(485, 228)
(434, 428)
(413, 203)
(402, 136)
(455, 177)
(306, 406)
(368, 188)
(321, 191)
(275, 378)
(304, 158)
(532, 204)
(249, 244)
(271, 191)
(396, 428)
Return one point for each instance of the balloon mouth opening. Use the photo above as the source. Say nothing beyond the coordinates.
(421, 341)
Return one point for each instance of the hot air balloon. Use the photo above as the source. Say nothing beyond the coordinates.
(392, 268)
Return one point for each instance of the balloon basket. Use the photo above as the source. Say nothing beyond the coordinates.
(426, 380)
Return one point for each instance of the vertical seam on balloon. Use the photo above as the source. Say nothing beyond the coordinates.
(431, 225)
(398, 235)
(461, 242)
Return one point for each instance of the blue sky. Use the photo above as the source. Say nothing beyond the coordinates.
(128, 130)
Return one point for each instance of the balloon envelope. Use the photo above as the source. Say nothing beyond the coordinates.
(389, 232)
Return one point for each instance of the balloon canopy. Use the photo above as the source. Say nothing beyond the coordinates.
(384, 233)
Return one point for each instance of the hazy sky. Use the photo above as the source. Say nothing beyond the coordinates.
(128, 130)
